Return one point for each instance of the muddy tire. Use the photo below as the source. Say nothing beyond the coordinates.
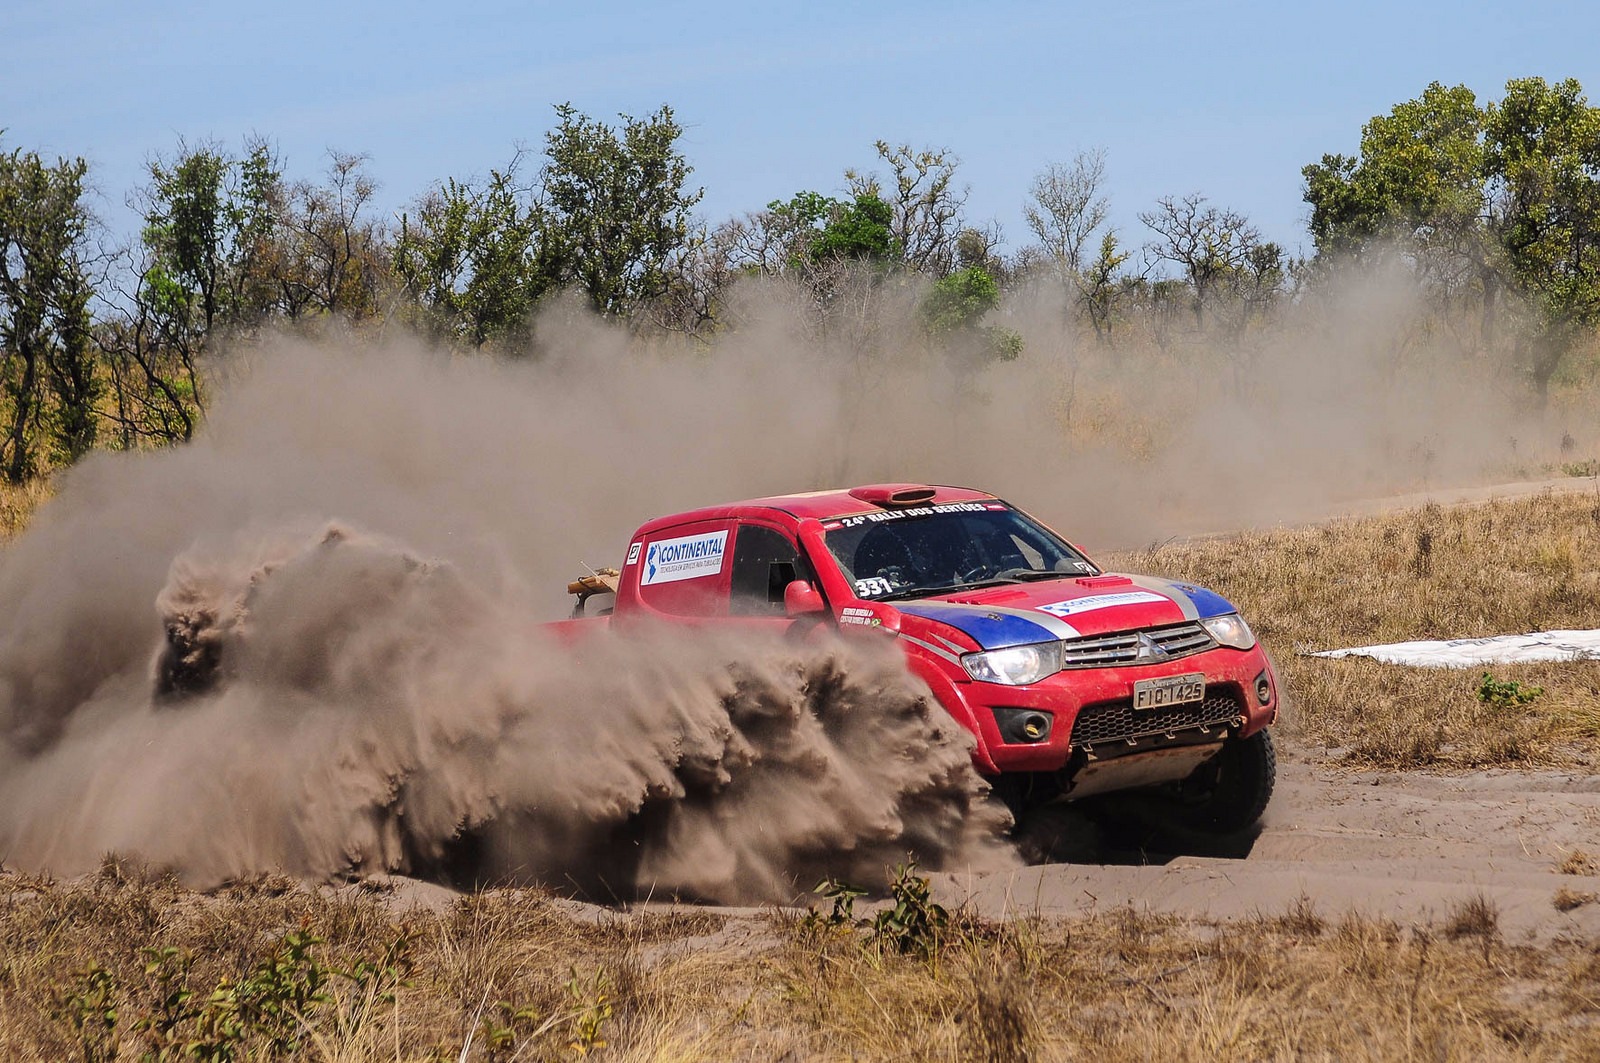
(1227, 796)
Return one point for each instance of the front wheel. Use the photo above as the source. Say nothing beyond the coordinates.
(1228, 795)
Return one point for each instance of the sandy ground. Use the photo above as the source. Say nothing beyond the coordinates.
(1407, 847)
(1402, 846)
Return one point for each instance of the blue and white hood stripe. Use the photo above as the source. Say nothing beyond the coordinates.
(996, 628)
(991, 627)
(1207, 604)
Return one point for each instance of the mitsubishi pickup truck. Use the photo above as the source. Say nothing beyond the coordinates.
(1074, 682)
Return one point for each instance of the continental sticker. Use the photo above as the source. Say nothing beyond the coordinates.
(1101, 601)
(690, 557)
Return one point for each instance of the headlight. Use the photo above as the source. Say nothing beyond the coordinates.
(1231, 630)
(1016, 665)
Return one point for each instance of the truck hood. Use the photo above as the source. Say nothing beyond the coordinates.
(1016, 614)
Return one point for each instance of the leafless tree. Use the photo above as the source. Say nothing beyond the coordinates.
(1067, 208)
(925, 201)
(1208, 243)
(336, 257)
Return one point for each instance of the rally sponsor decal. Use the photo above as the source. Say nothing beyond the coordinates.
(885, 516)
(872, 586)
(690, 557)
(1101, 601)
(953, 658)
(633, 554)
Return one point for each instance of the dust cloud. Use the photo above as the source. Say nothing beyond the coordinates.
(327, 702)
(309, 641)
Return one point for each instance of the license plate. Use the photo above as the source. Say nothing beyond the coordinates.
(1173, 690)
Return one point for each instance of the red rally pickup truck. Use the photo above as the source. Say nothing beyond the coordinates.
(1075, 682)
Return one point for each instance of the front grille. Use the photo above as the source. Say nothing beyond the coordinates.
(1098, 651)
(1116, 721)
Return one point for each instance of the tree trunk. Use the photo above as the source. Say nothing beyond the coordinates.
(1491, 298)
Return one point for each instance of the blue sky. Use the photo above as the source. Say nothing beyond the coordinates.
(1228, 99)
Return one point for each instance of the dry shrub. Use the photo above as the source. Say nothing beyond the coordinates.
(18, 503)
(1566, 900)
(1475, 917)
(1578, 862)
(1000, 1024)
(1301, 919)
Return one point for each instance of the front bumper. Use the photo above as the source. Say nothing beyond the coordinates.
(1090, 711)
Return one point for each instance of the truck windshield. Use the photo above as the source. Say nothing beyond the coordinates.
(909, 553)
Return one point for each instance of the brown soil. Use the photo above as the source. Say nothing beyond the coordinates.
(1406, 846)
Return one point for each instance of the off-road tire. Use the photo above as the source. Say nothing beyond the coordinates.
(1215, 812)
(1227, 796)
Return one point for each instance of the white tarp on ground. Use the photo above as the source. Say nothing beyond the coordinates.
(1496, 649)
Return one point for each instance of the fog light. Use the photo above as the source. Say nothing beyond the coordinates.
(1023, 725)
(1263, 688)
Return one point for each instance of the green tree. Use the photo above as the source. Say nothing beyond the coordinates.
(810, 231)
(953, 312)
(206, 263)
(1419, 179)
(1542, 159)
(209, 223)
(959, 302)
(1495, 199)
(1099, 287)
(476, 258)
(858, 230)
(48, 380)
(617, 204)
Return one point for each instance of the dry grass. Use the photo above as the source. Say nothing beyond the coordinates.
(1578, 862)
(1513, 566)
(1565, 900)
(520, 975)
(18, 503)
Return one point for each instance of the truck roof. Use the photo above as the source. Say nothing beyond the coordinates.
(819, 505)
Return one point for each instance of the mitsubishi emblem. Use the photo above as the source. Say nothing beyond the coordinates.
(1148, 648)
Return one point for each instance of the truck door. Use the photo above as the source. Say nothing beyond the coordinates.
(766, 559)
(680, 572)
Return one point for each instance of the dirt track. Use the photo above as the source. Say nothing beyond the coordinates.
(1186, 528)
(1404, 846)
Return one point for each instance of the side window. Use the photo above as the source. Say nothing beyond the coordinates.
(765, 561)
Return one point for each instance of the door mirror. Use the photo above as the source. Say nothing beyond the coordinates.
(800, 598)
